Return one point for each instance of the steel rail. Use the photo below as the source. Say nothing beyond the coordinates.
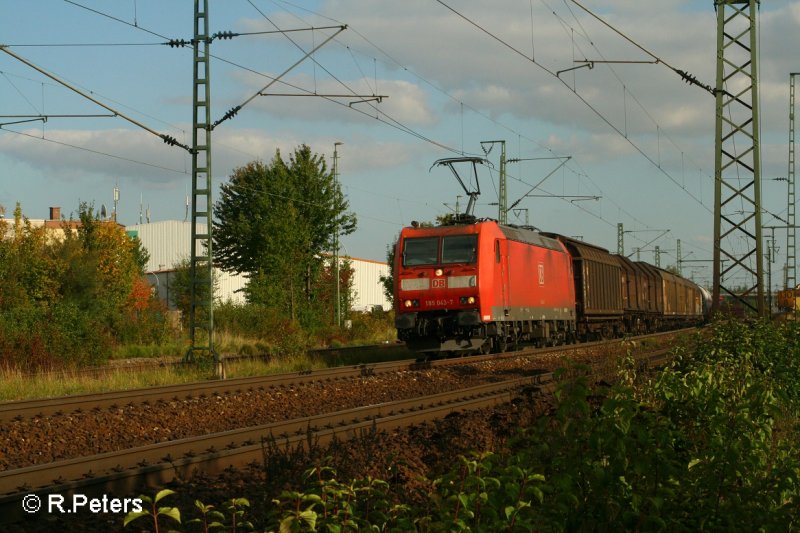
(24, 409)
(121, 473)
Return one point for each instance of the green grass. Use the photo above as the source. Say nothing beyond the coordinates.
(225, 343)
(14, 385)
(367, 329)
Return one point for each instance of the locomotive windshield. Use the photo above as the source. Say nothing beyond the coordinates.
(421, 251)
(459, 248)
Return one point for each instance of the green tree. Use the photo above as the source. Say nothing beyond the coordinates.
(181, 286)
(387, 281)
(272, 223)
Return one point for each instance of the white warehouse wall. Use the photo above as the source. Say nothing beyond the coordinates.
(169, 242)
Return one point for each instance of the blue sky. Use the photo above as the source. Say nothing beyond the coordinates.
(449, 87)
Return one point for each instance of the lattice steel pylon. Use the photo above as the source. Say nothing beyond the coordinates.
(737, 168)
(201, 308)
(502, 193)
(791, 242)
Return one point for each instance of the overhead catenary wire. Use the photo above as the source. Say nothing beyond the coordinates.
(625, 90)
(389, 120)
(97, 152)
(399, 127)
(687, 77)
(234, 110)
(461, 103)
(166, 138)
(578, 95)
(602, 117)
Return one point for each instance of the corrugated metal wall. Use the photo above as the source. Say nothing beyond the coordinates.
(169, 242)
(367, 285)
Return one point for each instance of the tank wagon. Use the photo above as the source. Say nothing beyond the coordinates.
(481, 287)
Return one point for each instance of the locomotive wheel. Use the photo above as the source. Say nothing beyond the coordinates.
(513, 345)
(500, 344)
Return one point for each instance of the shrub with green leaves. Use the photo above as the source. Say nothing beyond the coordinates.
(710, 444)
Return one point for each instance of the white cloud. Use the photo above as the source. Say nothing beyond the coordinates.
(71, 154)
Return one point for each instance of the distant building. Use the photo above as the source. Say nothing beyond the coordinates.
(54, 226)
(367, 286)
(169, 243)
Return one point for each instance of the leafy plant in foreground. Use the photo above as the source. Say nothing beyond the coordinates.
(155, 512)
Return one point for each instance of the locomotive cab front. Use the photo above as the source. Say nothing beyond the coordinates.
(481, 287)
(437, 289)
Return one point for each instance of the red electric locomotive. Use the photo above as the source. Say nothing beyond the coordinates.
(481, 287)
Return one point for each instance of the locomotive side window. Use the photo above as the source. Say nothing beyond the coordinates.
(497, 251)
(421, 251)
(459, 248)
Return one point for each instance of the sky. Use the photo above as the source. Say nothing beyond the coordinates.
(627, 141)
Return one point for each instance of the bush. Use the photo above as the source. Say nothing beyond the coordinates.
(67, 301)
(372, 327)
(267, 326)
(710, 444)
(62, 336)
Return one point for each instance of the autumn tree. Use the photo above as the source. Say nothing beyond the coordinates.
(273, 222)
(68, 297)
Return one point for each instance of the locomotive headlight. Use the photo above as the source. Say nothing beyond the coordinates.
(467, 300)
(411, 303)
(407, 303)
(438, 272)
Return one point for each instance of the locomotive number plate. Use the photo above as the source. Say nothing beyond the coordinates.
(440, 303)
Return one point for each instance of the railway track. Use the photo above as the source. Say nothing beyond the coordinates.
(121, 472)
(126, 471)
(19, 410)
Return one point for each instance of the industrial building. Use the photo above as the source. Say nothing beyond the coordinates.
(169, 244)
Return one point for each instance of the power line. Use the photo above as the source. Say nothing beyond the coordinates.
(98, 152)
(389, 120)
(580, 97)
(400, 65)
(166, 138)
(132, 25)
(78, 45)
(687, 77)
(473, 109)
